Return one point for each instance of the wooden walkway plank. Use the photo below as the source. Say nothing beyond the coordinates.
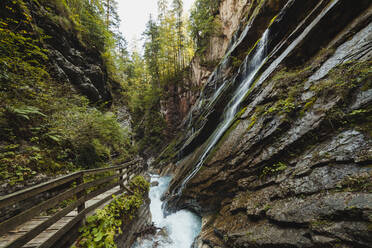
(44, 231)
(49, 232)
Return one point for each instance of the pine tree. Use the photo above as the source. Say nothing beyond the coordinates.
(152, 50)
(203, 22)
(162, 8)
(112, 18)
(178, 11)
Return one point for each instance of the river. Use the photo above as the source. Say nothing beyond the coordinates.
(177, 230)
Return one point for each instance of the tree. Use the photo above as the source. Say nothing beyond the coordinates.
(178, 11)
(203, 22)
(111, 15)
(162, 8)
(152, 50)
(168, 49)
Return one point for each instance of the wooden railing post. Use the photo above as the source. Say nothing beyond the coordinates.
(129, 173)
(79, 181)
(121, 177)
(141, 167)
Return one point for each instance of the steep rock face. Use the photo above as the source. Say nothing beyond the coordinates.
(70, 60)
(294, 167)
(176, 104)
(181, 97)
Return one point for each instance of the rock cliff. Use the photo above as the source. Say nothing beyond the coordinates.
(293, 167)
(181, 97)
(69, 59)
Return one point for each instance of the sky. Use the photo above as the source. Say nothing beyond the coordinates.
(134, 15)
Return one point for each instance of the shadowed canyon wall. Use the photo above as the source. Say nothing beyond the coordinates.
(293, 168)
(182, 95)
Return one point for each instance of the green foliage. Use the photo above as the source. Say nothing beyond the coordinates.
(24, 112)
(152, 125)
(139, 185)
(143, 100)
(93, 29)
(22, 58)
(44, 126)
(94, 137)
(274, 169)
(88, 19)
(168, 50)
(253, 121)
(100, 229)
(282, 106)
(96, 24)
(345, 77)
(203, 22)
(236, 62)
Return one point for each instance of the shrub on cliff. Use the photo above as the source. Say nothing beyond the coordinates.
(204, 22)
(93, 136)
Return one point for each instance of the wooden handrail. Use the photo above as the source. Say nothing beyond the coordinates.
(37, 189)
(51, 241)
(27, 215)
(79, 191)
(101, 170)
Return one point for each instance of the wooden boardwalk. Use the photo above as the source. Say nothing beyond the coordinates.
(42, 239)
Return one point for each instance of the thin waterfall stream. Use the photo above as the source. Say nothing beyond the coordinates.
(251, 67)
(179, 229)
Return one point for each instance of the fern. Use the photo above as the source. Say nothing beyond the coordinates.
(25, 112)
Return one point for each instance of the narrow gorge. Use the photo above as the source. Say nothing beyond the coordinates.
(231, 124)
(277, 149)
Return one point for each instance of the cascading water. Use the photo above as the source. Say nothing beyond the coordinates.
(250, 69)
(184, 236)
(177, 230)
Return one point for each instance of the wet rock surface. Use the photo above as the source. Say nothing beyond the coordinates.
(294, 168)
(232, 17)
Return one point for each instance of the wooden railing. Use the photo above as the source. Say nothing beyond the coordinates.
(76, 191)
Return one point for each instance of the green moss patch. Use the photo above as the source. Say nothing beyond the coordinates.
(273, 169)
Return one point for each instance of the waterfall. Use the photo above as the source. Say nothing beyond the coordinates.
(250, 69)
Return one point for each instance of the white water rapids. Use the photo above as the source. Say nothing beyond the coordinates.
(178, 230)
